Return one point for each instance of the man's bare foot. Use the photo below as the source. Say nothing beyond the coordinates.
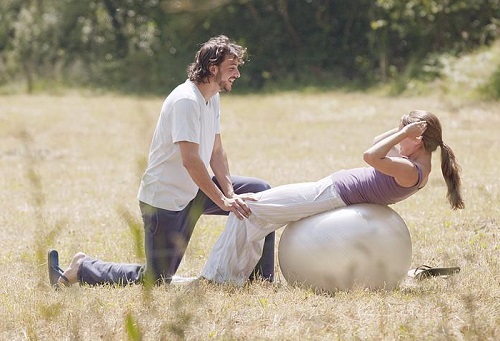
(72, 271)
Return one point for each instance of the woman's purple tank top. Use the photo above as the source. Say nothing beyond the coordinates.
(368, 185)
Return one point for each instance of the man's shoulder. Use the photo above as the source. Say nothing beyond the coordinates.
(183, 99)
(184, 90)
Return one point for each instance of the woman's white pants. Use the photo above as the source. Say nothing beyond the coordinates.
(239, 247)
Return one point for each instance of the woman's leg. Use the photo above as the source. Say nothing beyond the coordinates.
(234, 254)
(264, 268)
(284, 204)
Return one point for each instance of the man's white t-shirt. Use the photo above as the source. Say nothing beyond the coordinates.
(185, 116)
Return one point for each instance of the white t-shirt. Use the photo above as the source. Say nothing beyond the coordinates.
(185, 116)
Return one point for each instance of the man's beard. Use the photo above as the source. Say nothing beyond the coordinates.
(223, 85)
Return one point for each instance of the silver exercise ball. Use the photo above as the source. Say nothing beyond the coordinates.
(365, 246)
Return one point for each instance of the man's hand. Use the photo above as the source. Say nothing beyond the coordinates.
(238, 206)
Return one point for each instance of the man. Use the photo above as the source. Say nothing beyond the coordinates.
(176, 187)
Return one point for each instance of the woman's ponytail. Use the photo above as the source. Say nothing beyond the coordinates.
(451, 173)
(433, 139)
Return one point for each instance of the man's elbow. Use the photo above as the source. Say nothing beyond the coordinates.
(188, 163)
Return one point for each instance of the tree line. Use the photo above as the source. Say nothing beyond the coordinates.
(144, 46)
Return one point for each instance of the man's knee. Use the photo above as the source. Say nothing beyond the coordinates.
(258, 186)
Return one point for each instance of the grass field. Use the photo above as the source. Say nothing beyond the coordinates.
(70, 169)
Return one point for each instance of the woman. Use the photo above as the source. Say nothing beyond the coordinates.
(399, 165)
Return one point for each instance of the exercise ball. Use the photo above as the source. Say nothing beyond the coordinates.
(357, 246)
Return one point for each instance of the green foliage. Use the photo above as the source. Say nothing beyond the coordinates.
(492, 88)
(132, 327)
(136, 231)
(145, 45)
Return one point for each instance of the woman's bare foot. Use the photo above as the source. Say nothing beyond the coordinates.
(71, 273)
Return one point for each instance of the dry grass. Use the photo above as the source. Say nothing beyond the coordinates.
(70, 168)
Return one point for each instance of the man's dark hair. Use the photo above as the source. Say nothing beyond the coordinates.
(214, 52)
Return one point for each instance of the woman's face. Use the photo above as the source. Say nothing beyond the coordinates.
(408, 146)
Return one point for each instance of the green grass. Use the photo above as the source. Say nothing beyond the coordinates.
(70, 169)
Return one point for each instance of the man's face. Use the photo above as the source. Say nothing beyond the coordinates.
(227, 72)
